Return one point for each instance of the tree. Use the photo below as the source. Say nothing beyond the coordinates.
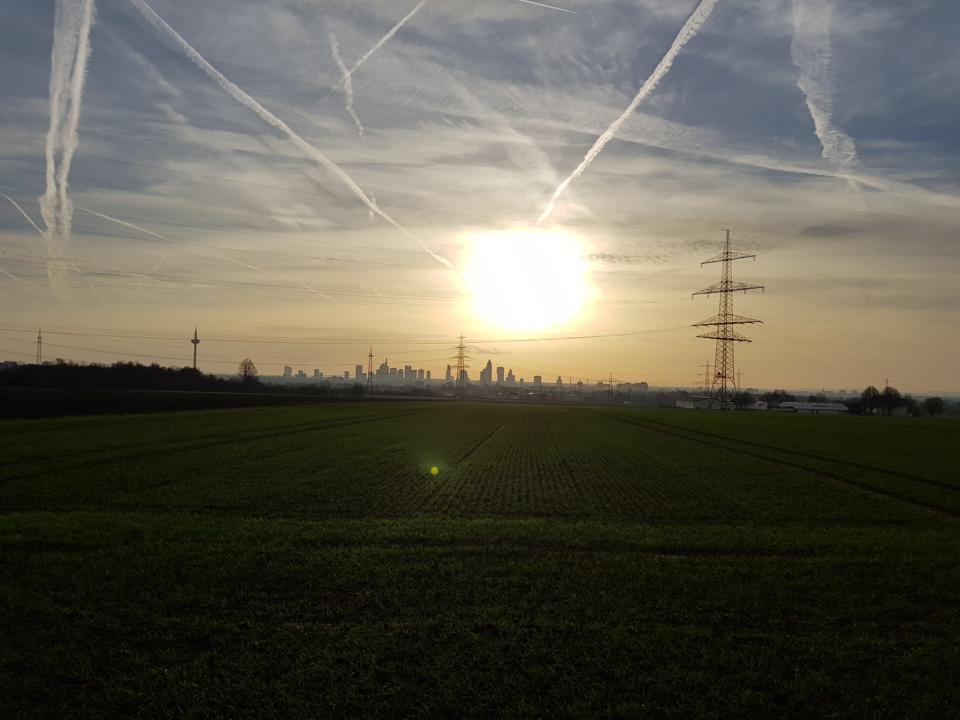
(871, 399)
(248, 371)
(890, 399)
(934, 406)
(742, 400)
(777, 396)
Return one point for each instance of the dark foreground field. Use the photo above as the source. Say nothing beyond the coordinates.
(303, 562)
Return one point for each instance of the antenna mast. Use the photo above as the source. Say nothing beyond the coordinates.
(195, 341)
(39, 348)
(370, 372)
(724, 378)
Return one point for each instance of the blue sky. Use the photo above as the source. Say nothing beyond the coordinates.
(472, 114)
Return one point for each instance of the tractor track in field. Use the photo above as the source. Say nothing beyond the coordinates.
(479, 443)
(220, 440)
(713, 441)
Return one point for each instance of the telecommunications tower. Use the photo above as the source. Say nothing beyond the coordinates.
(195, 341)
(39, 348)
(724, 377)
(461, 378)
(370, 372)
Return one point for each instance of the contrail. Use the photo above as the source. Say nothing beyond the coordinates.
(386, 38)
(24, 213)
(68, 71)
(94, 288)
(347, 83)
(309, 150)
(157, 235)
(812, 54)
(549, 7)
(323, 295)
(689, 30)
(118, 221)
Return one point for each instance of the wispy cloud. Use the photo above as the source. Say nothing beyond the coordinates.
(689, 30)
(812, 53)
(308, 149)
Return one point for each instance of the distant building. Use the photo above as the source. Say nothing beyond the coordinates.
(409, 376)
(301, 374)
(358, 372)
(537, 381)
(287, 371)
(428, 375)
(559, 381)
(449, 377)
(346, 374)
(316, 372)
(511, 378)
(420, 376)
(486, 375)
(500, 375)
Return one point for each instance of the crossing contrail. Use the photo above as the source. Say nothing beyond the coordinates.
(689, 30)
(268, 117)
(347, 84)
(24, 213)
(68, 72)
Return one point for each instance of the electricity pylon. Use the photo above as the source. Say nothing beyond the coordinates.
(724, 378)
(39, 348)
(461, 378)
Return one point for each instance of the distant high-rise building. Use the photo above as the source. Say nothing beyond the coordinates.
(409, 376)
(301, 374)
(420, 375)
(316, 372)
(428, 375)
(346, 374)
(358, 372)
(287, 371)
(511, 378)
(384, 369)
(486, 375)
(393, 373)
(449, 377)
(500, 375)
(537, 381)
(559, 381)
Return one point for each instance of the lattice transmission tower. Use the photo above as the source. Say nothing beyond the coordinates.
(724, 379)
(39, 347)
(461, 377)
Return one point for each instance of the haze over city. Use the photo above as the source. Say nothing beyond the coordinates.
(301, 180)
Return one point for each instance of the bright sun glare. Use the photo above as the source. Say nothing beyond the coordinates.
(527, 279)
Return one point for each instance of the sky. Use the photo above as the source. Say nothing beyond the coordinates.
(405, 200)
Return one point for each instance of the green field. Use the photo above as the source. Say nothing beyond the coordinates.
(304, 562)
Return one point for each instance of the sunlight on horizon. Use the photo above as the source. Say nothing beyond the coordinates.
(527, 279)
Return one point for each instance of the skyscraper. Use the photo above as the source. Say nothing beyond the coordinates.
(358, 372)
(500, 375)
(449, 377)
(486, 375)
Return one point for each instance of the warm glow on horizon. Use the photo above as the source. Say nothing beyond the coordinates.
(527, 279)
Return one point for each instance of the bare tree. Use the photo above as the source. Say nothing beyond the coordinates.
(248, 371)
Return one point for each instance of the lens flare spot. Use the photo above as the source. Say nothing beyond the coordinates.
(434, 471)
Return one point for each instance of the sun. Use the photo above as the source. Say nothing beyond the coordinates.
(529, 279)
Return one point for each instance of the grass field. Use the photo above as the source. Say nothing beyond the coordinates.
(303, 562)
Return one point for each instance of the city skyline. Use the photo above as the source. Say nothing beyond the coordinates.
(513, 186)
